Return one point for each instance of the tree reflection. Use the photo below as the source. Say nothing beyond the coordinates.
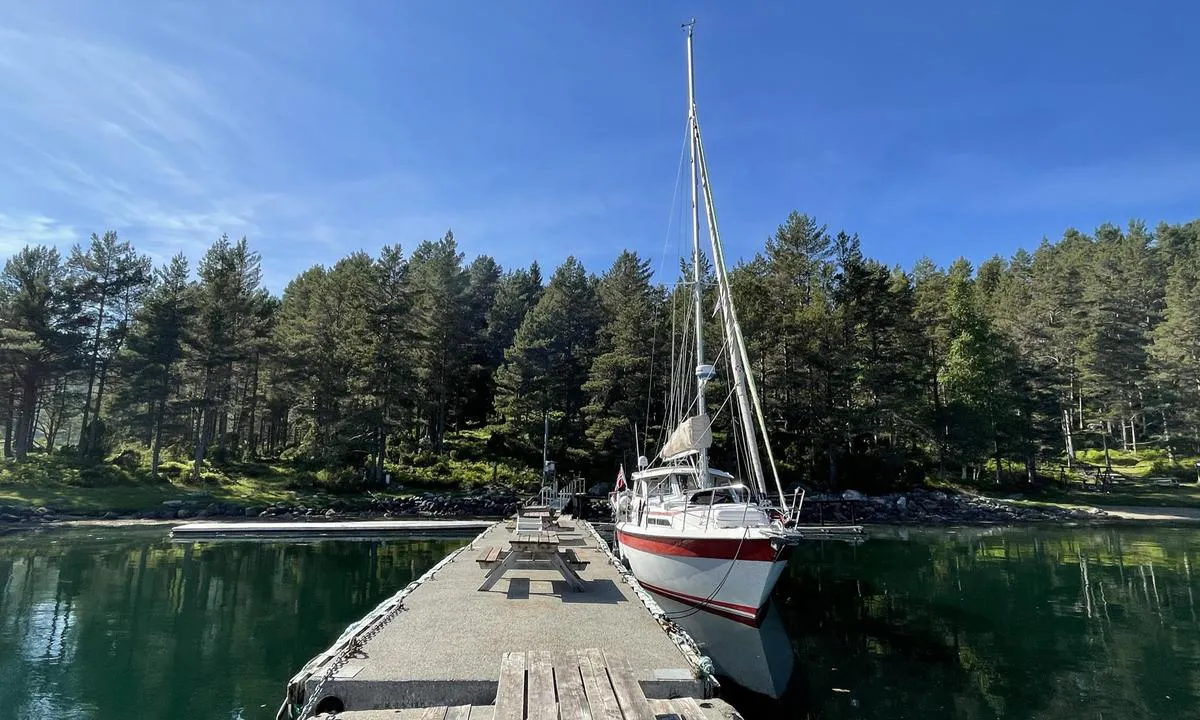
(114, 625)
(998, 623)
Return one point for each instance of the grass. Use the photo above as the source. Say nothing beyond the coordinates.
(68, 498)
(1135, 486)
(1134, 495)
(68, 485)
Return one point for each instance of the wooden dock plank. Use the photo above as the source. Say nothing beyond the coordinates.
(458, 712)
(572, 701)
(542, 703)
(688, 709)
(600, 696)
(629, 694)
(482, 712)
(434, 713)
(664, 710)
(510, 689)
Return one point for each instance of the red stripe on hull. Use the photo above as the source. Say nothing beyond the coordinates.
(758, 549)
(739, 613)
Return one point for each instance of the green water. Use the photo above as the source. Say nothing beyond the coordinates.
(119, 624)
(1001, 623)
(911, 624)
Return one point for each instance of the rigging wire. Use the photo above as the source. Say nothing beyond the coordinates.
(708, 600)
(661, 262)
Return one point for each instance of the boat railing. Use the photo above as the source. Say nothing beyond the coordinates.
(794, 515)
(733, 488)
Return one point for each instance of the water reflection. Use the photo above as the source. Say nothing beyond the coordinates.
(759, 659)
(119, 624)
(966, 623)
(1011, 623)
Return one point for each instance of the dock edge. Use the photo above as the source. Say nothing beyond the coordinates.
(701, 664)
(351, 637)
(363, 629)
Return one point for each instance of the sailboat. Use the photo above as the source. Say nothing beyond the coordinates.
(689, 531)
(760, 659)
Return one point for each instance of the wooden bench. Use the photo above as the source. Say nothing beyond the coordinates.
(531, 547)
(491, 558)
(571, 559)
(527, 524)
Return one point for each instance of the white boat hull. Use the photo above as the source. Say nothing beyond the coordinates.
(731, 575)
(759, 659)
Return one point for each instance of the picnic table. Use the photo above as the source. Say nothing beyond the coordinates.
(530, 545)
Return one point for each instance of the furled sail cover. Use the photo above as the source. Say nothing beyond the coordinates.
(692, 435)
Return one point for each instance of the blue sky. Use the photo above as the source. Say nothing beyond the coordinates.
(541, 129)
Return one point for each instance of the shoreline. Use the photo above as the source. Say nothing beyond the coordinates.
(917, 508)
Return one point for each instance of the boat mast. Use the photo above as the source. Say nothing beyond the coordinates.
(703, 372)
(748, 403)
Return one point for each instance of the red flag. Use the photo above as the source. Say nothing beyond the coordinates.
(621, 478)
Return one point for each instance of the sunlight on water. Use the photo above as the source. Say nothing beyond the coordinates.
(965, 623)
(119, 624)
(989, 623)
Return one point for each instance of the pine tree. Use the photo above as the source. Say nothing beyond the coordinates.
(981, 390)
(516, 294)
(41, 333)
(549, 359)
(1124, 296)
(229, 300)
(109, 280)
(150, 362)
(392, 377)
(483, 283)
(619, 379)
(440, 291)
(1175, 352)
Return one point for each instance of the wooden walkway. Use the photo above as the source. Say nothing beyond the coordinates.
(541, 685)
(440, 642)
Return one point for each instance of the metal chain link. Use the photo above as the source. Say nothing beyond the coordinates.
(354, 646)
(353, 649)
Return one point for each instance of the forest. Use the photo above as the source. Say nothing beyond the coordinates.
(872, 376)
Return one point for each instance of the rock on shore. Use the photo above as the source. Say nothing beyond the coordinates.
(915, 507)
(487, 502)
(933, 507)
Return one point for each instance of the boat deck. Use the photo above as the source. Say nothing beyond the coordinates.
(445, 644)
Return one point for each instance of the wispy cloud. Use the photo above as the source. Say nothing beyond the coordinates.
(107, 135)
(17, 232)
(155, 128)
(985, 184)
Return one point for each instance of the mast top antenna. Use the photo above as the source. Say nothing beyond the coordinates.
(690, 25)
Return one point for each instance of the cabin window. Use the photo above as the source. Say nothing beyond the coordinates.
(718, 496)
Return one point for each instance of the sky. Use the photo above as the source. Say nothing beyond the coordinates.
(536, 129)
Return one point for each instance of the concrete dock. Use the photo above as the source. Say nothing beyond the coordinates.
(440, 641)
(325, 528)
